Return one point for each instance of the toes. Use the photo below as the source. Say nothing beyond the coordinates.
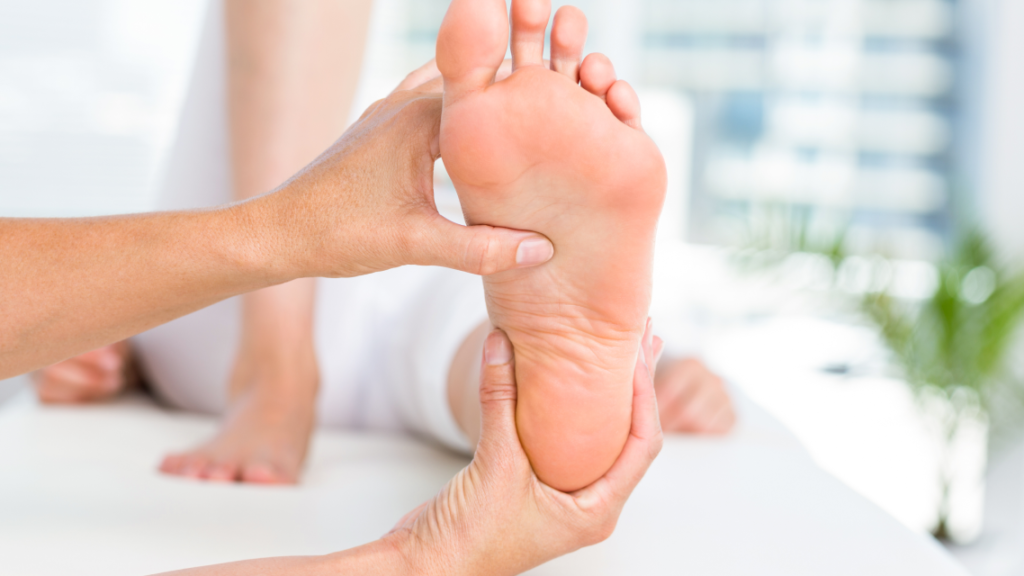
(529, 22)
(258, 473)
(624, 103)
(568, 34)
(199, 466)
(194, 466)
(77, 381)
(171, 463)
(190, 466)
(221, 472)
(471, 45)
(110, 357)
(597, 74)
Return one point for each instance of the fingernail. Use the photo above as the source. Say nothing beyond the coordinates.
(534, 251)
(497, 350)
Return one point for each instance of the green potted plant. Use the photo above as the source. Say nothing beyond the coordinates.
(952, 346)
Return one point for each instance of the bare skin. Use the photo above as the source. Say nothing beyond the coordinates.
(691, 398)
(495, 517)
(333, 219)
(569, 160)
(292, 73)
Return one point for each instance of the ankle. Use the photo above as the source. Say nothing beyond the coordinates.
(280, 373)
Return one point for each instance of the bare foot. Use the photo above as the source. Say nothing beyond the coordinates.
(692, 398)
(91, 377)
(266, 431)
(539, 151)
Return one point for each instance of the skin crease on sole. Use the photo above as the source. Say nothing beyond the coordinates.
(539, 151)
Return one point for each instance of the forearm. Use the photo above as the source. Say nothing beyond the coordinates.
(70, 285)
(377, 558)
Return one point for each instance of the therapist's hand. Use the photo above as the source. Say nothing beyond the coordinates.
(367, 203)
(495, 517)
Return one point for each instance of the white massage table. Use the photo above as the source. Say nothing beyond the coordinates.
(79, 494)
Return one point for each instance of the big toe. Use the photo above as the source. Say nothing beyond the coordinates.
(529, 22)
(471, 45)
(171, 463)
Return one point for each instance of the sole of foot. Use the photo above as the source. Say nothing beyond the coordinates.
(556, 149)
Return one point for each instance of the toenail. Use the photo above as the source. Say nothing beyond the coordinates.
(534, 251)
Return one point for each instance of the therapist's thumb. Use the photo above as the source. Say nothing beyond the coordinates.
(497, 391)
(483, 249)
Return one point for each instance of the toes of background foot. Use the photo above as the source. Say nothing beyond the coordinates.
(568, 35)
(171, 463)
(221, 472)
(261, 473)
(193, 466)
(471, 45)
(529, 23)
(597, 74)
(624, 103)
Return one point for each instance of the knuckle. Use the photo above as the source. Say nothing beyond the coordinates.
(497, 392)
(409, 242)
(484, 252)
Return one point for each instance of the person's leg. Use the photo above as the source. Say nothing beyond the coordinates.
(464, 382)
(538, 151)
(292, 71)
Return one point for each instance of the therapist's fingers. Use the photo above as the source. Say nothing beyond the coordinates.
(645, 435)
(479, 249)
(498, 394)
(420, 76)
(428, 77)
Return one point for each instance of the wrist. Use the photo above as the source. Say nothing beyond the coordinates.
(422, 554)
(387, 555)
(260, 243)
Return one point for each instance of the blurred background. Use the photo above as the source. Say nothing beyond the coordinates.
(848, 176)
